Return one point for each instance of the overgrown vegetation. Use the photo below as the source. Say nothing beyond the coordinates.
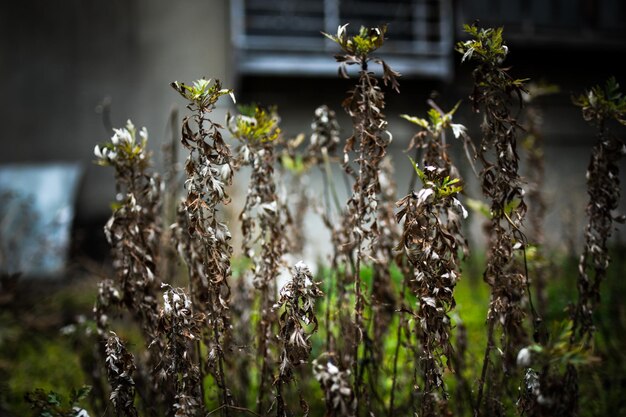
(179, 330)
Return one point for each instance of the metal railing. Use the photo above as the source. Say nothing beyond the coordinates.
(275, 36)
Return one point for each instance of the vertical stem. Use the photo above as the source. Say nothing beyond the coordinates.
(357, 270)
(220, 377)
(483, 375)
(357, 322)
(425, 406)
(262, 350)
(329, 177)
(413, 173)
(396, 354)
(434, 105)
(327, 315)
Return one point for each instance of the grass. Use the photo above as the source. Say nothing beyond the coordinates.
(34, 353)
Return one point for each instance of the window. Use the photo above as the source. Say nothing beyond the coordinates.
(283, 36)
(552, 22)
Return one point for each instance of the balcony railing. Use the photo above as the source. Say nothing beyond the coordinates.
(283, 36)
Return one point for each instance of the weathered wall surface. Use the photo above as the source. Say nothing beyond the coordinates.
(60, 59)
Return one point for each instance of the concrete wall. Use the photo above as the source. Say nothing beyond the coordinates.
(60, 59)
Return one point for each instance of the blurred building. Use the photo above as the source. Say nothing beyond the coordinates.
(70, 69)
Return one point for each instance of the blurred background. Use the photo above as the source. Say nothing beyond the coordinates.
(71, 70)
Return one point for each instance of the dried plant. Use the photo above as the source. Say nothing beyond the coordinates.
(335, 383)
(204, 240)
(549, 385)
(325, 137)
(323, 145)
(432, 229)
(387, 350)
(181, 327)
(366, 148)
(431, 141)
(433, 252)
(297, 323)
(133, 231)
(494, 93)
(599, 106)
(263, 221)
(120, 365)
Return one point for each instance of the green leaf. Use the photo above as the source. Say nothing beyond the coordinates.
(361, 45)
(448, 187)
(512, 205)
(435, 118)
(79, 394)
(454, 109)
(416, 120)
(53, 398)
(202, 93)
(603, 103)
(418, 171)
(295, 165)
